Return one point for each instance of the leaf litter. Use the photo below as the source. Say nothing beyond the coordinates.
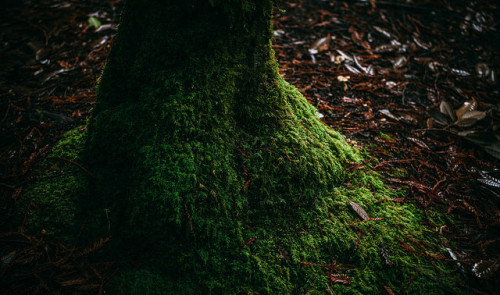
(52, 53)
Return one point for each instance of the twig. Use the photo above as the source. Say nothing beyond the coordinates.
(76, 164)
(189, 217)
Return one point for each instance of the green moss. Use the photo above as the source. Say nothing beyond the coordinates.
(386, 136)
(399, 173)
(143, 281)
(52, 202)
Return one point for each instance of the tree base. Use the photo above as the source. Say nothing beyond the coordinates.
(283, 225)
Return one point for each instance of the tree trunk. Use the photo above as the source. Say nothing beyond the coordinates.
(196, 139)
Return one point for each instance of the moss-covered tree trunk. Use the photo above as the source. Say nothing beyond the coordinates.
(213, 174)
(196, 139)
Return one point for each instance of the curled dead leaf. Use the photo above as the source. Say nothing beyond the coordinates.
(384, 32)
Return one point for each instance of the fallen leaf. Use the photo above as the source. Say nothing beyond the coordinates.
(388, 113)
(468, 106)
(343, 78)
(320, 45)
(361, 212)
(419, 142)
(446, 108)
(352, 69)
(478, 115)
(439, 118)
(340, 279)
(94, 22)
(467, 122)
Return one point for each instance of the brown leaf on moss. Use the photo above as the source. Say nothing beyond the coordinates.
(337, 278)
(361, 212)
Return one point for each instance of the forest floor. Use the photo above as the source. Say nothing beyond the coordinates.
(412, 82)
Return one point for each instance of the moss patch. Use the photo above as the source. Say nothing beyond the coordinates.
(386, 136)
(53, 200)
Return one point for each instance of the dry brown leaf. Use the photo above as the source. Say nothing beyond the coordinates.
(388, 113)
(439, 118)
(340, 279)
(446, 108)
(361, 212)
(468, 106)
(430, 123)
(465, 122)
(320, 45)
(419, 142)
(478, 115)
